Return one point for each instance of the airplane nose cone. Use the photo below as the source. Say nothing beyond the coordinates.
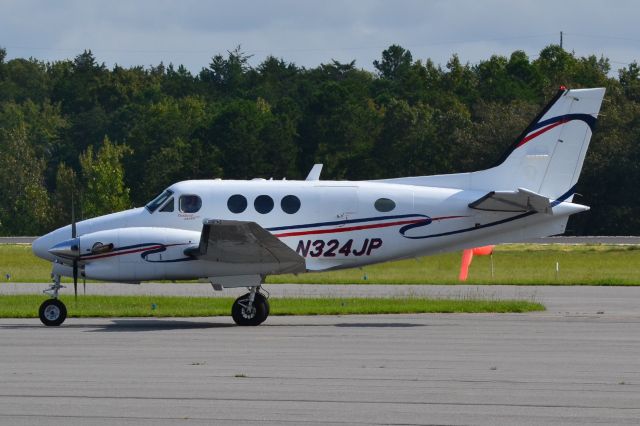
(69, 249)
(40, 247)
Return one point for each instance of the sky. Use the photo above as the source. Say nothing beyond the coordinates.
(309, 33)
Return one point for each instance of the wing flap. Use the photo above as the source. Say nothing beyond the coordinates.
(521, 200)
(242, 242)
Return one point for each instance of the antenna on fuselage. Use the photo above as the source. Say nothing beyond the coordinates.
(314, 174)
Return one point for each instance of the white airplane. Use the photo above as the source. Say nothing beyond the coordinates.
(235, 233)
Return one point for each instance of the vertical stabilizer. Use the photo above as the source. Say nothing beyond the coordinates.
(545, 159)
(548, 156)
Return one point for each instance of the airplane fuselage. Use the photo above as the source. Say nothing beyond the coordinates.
(331, 224)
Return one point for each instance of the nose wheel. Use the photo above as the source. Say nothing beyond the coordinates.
(250, 309)
(52, 312)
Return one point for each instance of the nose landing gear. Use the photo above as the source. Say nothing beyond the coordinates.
(53, 312)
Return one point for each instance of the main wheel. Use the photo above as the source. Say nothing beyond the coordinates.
(52, 312)
(244, 315)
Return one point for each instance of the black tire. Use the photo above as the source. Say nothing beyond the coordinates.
(256, 316)
(266, 303)
(52, 312)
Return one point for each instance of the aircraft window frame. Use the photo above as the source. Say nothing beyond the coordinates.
(287, 207)
(153, 205)
(168, 207)
(185, 196)
(262, 208)
(237, 208)
(384, 205)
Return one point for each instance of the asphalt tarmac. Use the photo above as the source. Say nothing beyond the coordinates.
(576, 364)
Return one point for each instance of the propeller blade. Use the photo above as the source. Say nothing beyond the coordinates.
(73, 218)
(75, 279)
(74, 235)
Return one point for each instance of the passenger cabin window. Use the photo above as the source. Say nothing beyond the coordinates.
(290, 204)
(263, 204)
(384, 205)
(168, 207)
(237, 203)
(153, 205)
(190, 203)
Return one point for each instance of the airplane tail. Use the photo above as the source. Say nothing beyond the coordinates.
(545, 159)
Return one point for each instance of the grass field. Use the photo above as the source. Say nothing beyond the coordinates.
(519, 264)
(26, 306)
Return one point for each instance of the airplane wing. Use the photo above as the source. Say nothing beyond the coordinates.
(521, 200)
(242, 242)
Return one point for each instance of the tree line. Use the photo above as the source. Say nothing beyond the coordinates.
(112, 138)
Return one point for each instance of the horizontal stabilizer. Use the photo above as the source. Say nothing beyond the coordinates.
(521, 200)
(242, 242)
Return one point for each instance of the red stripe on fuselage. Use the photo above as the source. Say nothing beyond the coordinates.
(118, 253)
(360, 227)
(137, 250)
(286, 234)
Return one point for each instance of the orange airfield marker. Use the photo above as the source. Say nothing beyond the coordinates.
(467, 257)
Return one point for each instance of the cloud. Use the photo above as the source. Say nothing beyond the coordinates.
(146, 32)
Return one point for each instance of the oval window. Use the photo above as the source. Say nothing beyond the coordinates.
(190, 203)
(237, 203)
(263, 204)
(290, 204)
(384, 205)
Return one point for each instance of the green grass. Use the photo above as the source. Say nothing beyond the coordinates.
(26, 306)
(19, 261)
(514, 264)
(519, 264)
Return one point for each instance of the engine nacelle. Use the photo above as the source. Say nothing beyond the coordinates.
(136, 254)
(62, 270)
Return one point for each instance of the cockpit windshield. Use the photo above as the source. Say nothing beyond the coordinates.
(153, 205)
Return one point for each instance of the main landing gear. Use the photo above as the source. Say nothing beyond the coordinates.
(52, 311)
(251, 308)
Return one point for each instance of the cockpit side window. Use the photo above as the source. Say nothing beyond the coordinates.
(190, 203)
(153, 205)
(168, 207)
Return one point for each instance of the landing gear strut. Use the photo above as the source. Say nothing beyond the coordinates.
(52, 311)
(251, 308)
